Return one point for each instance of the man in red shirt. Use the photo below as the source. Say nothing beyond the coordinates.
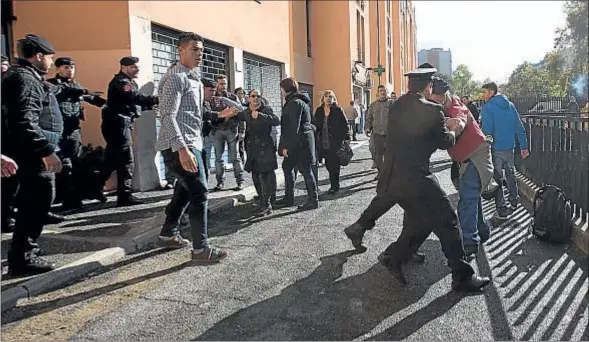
(473, 152)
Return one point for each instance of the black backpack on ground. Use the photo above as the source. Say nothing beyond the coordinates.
(553, 216)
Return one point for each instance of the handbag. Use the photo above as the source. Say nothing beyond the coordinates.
(345, 153)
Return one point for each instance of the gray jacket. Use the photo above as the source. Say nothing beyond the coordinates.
(377, 116)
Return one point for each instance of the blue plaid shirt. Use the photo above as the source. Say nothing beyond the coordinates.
(181, 97)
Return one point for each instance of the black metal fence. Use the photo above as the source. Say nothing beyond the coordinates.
(559, 155)
(547, 104)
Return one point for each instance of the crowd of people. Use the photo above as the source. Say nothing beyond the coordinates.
(41, 132)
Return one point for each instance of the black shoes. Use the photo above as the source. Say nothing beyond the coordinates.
(33, 265)
(309, 205)
(473, 283)
(219, 187)
(285, 202)
(128, 201)
(395, 268)
(355, 233)
(333, 191)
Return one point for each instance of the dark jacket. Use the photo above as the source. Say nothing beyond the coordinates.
(70, 94)
(124, 103)
(474, 111)
(415, 131)
(296, 132)
(231, 124)
(337, 126)
(29, 133)
(259, 145)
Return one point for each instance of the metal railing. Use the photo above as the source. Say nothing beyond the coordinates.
(559, 155)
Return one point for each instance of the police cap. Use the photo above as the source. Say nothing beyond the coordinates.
(38, 44)
(129, 60)
(64, 61)
(208, 83)
(424, 71)
(440, 86)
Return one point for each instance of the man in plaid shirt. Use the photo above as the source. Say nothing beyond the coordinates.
(180, 142)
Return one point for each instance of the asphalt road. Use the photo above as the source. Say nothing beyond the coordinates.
(294, 277)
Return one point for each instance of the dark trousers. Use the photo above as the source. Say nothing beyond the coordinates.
(33, 200)
(118, 156)
(333, 167)
(427, 210)
(353, 128)
(69, 181)
(290, 166)
(190, 193)
(241, 147)
(380, 142)
(265, 184)
(9, 187)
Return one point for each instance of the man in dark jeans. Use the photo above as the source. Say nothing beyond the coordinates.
(180, 142)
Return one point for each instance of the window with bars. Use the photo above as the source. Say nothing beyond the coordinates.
(266, 77)
(360, 36)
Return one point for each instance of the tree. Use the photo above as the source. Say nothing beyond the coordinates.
(574, 36)
(462, 82)
(531, 80)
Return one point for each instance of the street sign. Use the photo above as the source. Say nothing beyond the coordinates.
(379, 70)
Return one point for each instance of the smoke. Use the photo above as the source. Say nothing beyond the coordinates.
(579, 85)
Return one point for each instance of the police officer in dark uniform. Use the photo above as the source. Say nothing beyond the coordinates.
(33, 127)
(416, 129)
(70, 94)
(123, 105)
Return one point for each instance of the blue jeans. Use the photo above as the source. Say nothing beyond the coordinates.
(221, 136)
(190, 193)
(470, 209)
(208, 145)
(290, 167)
(504, 160)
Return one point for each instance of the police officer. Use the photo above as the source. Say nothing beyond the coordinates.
(416, 130)
(124, 104)
(34, 127)
(70, 94)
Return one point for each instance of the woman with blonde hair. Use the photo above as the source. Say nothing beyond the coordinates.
(332, 130)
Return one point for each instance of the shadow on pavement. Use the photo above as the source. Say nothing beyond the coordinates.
(321, 307)
(538, 283)
(31, 310)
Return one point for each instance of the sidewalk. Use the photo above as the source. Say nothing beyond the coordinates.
(103, 233)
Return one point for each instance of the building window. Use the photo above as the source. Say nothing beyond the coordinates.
(360, 36)
(308, 19)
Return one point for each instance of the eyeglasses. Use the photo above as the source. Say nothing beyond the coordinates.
(254, 96)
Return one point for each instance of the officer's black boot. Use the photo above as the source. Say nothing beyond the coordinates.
(288, 199)
(27, 263)
(128, 200)
(355, 233)
(394, 267)
(472, 283)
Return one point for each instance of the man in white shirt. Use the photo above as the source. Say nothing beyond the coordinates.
(180, 142)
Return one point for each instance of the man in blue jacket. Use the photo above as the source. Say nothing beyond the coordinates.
(501, 121)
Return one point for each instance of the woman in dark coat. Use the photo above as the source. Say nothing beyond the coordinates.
(297, 143)
(261, 151)
(332, 130)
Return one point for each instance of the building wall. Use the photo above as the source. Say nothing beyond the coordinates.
(302, 64)
(94, 43)
(331, 48)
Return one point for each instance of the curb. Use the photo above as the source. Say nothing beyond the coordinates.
(580, 237)
(56, 278)
(63, 275)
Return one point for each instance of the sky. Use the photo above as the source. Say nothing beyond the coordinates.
(491, 37)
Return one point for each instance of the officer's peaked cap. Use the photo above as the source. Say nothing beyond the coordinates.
(440, 86)
(424, 71)
(64, 61)
(129, 60)
(38, 43)
(208, 83)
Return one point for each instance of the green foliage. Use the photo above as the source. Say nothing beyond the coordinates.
(532, 80)
(463, 84)
(574, 36)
